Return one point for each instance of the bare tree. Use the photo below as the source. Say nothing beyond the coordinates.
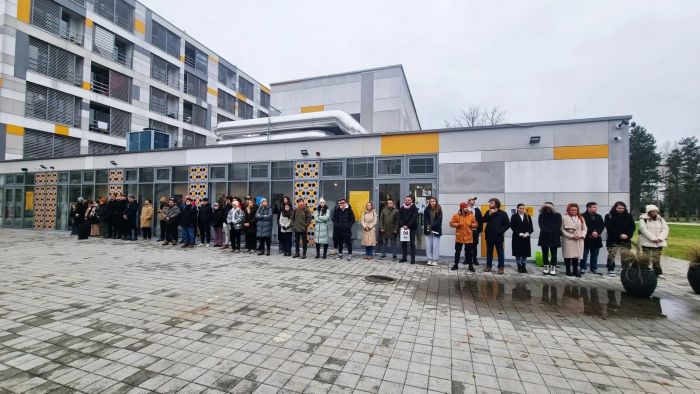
(475, 116)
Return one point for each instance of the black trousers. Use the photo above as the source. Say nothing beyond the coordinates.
(300, 236)
(163, 229)
(205, 233)
(171, 234)
(412, 243)
(250, 241)
(286, 242)
(146, 231)
(235, 239)
(546, 251)
(344, 238)
(265, 242)
(474, 248)
(325, 250)
(467, 253)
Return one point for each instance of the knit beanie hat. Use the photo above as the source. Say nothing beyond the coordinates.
(462, 205)
(652, 207)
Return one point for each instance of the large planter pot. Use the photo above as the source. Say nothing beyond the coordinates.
(638, 282)
(694, 278)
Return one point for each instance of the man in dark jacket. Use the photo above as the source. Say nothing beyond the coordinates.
(497, 223)
(171, 214)
(389, 227)
(188, 219)
(408, 220)
(476, 234)
(113, 216)
(130, 217)
(103, 218)
(620, 226)
(119, 211)
(593, 241)
(343, 219)
(301, 220)
(204, 219)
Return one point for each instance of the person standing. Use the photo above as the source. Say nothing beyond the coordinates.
(408, 220)
(91, 217)
(464, 222)
(218, 221)
(286, 230)
(573, 229)
(521, 225)
(322, 217)
(113, 214)
(497, 224)
(369, 236)
(432, 229)
(162, 203)
(593, 241)
(249, 225)
(277, 210)
(343, 219)
(301, 220)
(146, 218)
(131, 218)
(103, 218)
(263, 217)
(188, 220)
(235, 221)
(620, 226)
(389, 228)
(72, 218)
(550, 236)
(653, 236)
(228, 205)
(121, 222)
(171, 214)
(477, 232)
(204, 220)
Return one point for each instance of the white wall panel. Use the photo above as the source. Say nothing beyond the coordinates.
(199, 156)
(342, 93)
(585, 175)
(352, 107)
(306, 97)
(459, 157)
(387, 87)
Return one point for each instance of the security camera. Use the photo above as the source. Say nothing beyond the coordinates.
(617, 139)
(621, 123)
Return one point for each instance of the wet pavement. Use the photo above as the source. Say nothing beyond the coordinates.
(117, 316)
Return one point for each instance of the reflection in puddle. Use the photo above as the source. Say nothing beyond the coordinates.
(571, 299)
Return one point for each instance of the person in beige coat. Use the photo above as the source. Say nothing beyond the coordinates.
(653, 236)
(369, 236)
(146, 219)
(573, 231)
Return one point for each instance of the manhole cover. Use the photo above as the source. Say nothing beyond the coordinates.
(379, 279)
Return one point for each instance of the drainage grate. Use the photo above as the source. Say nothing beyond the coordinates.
(379, 279)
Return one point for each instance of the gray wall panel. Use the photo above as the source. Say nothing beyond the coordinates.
(517, 154)
(472, 177)
(593, 133)
(367, 101)
(135, 93)
(149, 25)
(21, 54)
(2, 141)
(618, 159)
(495, 139)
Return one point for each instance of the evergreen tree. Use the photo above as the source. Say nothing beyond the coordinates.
(674, 164)
(644, 168)
(690, 176)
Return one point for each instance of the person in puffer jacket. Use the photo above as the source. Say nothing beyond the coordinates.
(653, 236)
(235, 221)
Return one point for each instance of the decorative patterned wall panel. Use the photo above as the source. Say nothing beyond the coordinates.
(39, 203)
(116, 189)
(199, 173)
(45, 200)
(306, 169)
(50, 208)
(308, 190)
(116, 176)
(198, 191)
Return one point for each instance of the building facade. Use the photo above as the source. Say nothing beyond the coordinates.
(77, 75)
(578, 161)
(378, 98)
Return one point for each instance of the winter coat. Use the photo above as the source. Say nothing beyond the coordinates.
(120, 209)
(146, 216)
(161, 213)
(235, 218)
(111, 209)
(550, 229)
(249, 218)
(171, 214)
(369, 224)
(496, 225)
(218, 218)
(389, 223)
(430, 227)
(102, 213)
(408, 217)
(521, 245)
(91, 215)
(464, 225)
(594, 222)
(571, 228)
(263, 217)
(480, 224)
(131, 212)
(301, 219)
(321, 230)
(343, 219)
(618, 224)
(81, 209)
(205, 215)
(650, 229)
(188, 216)
(285, 223)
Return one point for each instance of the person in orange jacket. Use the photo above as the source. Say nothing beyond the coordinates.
(464, 223)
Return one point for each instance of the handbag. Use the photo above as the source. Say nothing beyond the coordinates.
(405, 235)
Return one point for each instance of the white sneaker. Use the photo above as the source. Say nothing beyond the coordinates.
(546, 270)
(611, 273)
(430, 262)
(661, 277)
(208, 245)
(553, 271)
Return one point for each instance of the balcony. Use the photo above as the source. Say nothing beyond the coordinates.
(110, 83)
(58, 21)
(112, 47)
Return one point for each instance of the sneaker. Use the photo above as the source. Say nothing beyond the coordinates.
(349, 257)
(611, 273)
(553, 270)
(429, 262)
(340, 255)
(660, 276)
(546, 270)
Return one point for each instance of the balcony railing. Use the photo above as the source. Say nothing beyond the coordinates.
(99, 127)
(100, 87)
(41, 67)
(163, 76)
(47, 21)
(189, 60)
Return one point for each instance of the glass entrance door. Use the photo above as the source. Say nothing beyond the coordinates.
(12, 207)
(421, 191)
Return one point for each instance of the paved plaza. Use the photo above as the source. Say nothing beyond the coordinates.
(108, 316)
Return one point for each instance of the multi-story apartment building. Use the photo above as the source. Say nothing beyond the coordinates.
(77, 75)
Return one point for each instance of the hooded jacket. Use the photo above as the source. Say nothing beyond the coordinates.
(235, 218)
(550, 228)
(464, 224)
(650, 229)
(263, 217)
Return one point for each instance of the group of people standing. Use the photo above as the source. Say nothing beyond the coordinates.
(113, 217)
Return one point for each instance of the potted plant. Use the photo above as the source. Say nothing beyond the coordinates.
(637, 277)
(694, 268)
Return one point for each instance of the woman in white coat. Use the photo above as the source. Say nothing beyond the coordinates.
(653, 236)
(573, 231)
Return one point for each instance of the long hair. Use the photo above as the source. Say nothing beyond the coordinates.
(438, 208)
(613, 210)
(578, 210)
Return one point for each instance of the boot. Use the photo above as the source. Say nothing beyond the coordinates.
(413, 259)
(296, 255)
(471, 268)
(568, 269)
(576, 273)
(546, 270)
(524, 269)
(303, 256)
(455, 267)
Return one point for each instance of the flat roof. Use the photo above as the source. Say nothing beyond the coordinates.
(370, 135)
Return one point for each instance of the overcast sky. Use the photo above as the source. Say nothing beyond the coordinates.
(538, 60)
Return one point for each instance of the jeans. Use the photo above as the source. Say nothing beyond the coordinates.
(467, 253)
(369, 251)
(654, 255)
(163, 230)
(385, 245)
(489, 253)
(235, 239)
(405, 245)
(593, 252)
(474, 246)
(227, 234)
(286, 242)
(546, 251)
(188, 235)
(432, 247)
(520, 260)
(205, 233)
(250, 241)
(300, 236)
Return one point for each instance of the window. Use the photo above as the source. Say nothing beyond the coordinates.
(194, 114)
(181, 174)
(245, 111)
(164, 103)
(110, 83)
(238, 172)
(131, 175)
(88, 176)
(101, 176)
(226, 102)
(259, 170)
(195, 58)
(112, 47)
(165, 39)
(332, 168)
(245, 87)
(221, 118)
(107, 120)
(282, 170)
(421, 165)
(59, 21)
(40, 144)
(227, 76)
(217, 172)
(163, 174)
(116, 11)
(191, 139)
(195, 86)
(146, 174)
(100, 148)
(165, 72)
(54, 62)
(388, 166)
(264, 99)
(360, 168)
(52, 105)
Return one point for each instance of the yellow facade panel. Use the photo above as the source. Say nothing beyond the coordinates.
(14, 129)
(312, 108)
(87, 85)
(61, 129)
(241, 97)
(24, 10)
(140, 26)
(265, 89)
(212, 91)
(213, 59)
(580, 152)
(88, 22)
(410, 144)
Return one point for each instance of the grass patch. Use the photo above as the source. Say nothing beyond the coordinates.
(681, 238)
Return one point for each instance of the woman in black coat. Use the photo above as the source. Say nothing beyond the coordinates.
(521, 225)
(249, 225)
(550, 236)
(620, 226)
